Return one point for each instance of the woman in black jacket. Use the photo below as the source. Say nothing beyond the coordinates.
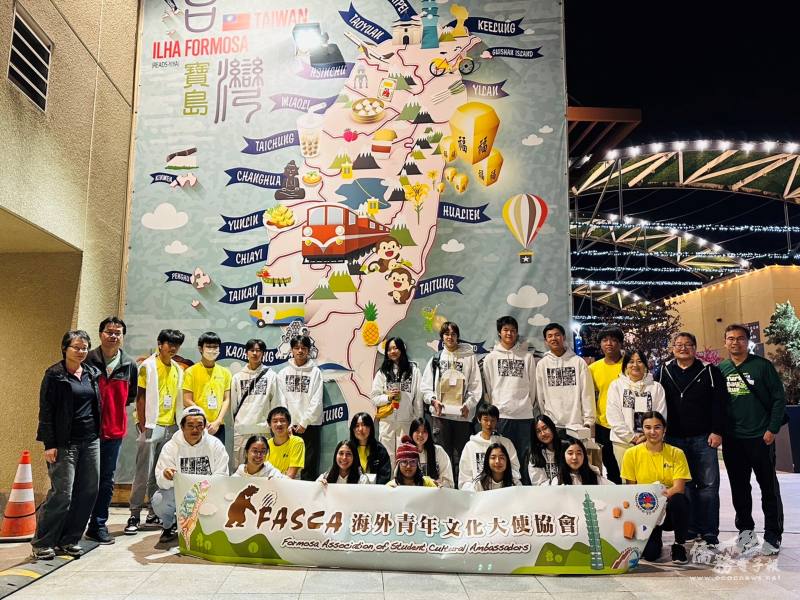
(372, 455)
(69, 428)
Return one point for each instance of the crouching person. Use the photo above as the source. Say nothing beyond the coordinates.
(191, 451)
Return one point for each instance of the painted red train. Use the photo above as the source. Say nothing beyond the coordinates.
(334, 233)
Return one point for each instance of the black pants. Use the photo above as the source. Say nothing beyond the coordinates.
(743, 457)
(677, 520)
(602, 435)
(452, 436)
(311, 438)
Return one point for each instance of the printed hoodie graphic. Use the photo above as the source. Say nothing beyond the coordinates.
(300, 390)
(564, 389)
(628, 401)
(509, 378)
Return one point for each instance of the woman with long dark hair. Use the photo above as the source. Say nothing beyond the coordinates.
(546, 454)
(496, 473)
(69, 428)
(575, 468)
(344, 468)
(408, 471)
(256, 451)
(396, 394)
(372, 455)
(433, 460)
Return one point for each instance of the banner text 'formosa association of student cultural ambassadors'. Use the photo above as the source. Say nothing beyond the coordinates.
(533, 530)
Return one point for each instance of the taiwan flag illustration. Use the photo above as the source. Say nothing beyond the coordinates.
(236, 22)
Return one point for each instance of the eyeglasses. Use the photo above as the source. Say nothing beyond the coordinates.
(736, 339)
(77, 349)
(257, 452)
(115, 334)
(406, 463)
(683, 346)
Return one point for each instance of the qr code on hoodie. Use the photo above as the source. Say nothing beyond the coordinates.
(297, 383)
(509, 367)
(561, 376)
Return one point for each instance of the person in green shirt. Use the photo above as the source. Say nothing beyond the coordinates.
(755, 415)
(603, 373)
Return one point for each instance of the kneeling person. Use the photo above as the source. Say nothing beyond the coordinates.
(192, 452)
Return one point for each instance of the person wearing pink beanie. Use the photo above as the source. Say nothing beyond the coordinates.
(407, 471)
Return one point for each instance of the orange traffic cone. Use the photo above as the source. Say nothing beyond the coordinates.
(19, 521)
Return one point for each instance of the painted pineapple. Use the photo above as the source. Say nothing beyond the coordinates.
(370, 332)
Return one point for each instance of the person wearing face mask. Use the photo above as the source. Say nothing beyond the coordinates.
(631, 395)
(208, 385)
(118, 388)
(300, 391)
(451, 386)
(564, 387)
(509, 382)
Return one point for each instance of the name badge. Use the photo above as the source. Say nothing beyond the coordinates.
(212, 401)
(167, 401)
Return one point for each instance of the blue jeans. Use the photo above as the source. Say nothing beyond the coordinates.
(109, 452)
(703, 490)
(73, 489)
(163, 503)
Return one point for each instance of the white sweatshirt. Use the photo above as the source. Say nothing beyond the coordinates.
(410, 396)
(471, 463)
(627, 401)
(576, 479)
(443, 462)
(362, 478)
(206, 457)
(267, 471)
(509, 381)
(564, 389)
(252, 416)
(462, 360)
(476, 486)
(300, 390)
(547, 475)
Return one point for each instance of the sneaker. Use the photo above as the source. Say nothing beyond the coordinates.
(153, 519)
(768, 549)
(43, 554)
(73, 550)
(100, 536)
(746, 541)
(133, 525)
(679, 554)
(169, 534)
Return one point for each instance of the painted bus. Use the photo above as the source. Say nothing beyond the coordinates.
(278, 309)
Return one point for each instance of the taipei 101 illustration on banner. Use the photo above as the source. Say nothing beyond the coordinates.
(350, 171)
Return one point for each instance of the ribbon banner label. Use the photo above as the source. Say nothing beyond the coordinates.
(522, 530)
(334, 71)
(284, 139)
(364, 26)
(245, 223)
(167, 178)
(240, 295)
(436, 285)
(237, 351)
(181, 276)
(298, 102)
(476, 89)
(506, 52)
(242, 258)
(262, 179)
(485, 25)
(463, 214)
(403, 9)
(337, 413)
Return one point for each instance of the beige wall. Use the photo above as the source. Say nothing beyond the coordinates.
(64, 183)
(743, 299)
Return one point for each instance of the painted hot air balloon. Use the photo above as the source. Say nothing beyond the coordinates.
(524, 215)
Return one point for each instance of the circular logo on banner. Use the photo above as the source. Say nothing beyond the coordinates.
(646, 502)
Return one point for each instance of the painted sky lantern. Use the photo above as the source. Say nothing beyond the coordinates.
(524, 215)
(474, 126)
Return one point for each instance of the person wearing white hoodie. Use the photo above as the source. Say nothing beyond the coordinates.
(253, 395)
(472, 458)
(191, 451)
(509, 382)
(630, 396)
(564, 387)
(300, 391)
(451, 372)
(397, 382)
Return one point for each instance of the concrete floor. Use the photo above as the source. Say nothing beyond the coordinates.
(134, 569)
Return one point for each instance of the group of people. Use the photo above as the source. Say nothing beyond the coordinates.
(505, 421)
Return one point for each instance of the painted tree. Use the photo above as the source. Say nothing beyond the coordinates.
(784, 332)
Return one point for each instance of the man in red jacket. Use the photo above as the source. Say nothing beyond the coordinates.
(117, 381)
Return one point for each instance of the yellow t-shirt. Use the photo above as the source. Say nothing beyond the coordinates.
(642, 466)
(287, 455)
(208, 386)
(602, 376)
(167, 390)
(363, 456)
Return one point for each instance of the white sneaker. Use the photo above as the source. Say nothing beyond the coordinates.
(746, 541)
(768, 549)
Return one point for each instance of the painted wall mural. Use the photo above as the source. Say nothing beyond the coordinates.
(353, 170)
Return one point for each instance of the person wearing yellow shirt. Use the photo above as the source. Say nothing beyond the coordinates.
(208, 385)
(657, 462)
(287, 452)
(603, 373)
(160, 380)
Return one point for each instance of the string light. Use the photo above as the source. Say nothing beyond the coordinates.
(673, 228)
(636, 282)
(720, 270)
(767, 146)
(684, 255)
